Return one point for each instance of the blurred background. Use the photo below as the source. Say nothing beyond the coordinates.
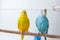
(10, 11)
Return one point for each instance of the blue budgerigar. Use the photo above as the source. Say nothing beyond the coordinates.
(42, 23)
(37, 38)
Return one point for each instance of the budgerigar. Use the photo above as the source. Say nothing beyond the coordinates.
(37, 38)
(42, 23)
(23, 23)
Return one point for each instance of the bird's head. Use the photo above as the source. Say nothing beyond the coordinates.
(44, 12)
(24, 13)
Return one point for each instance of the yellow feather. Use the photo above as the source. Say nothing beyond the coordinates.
(23, 23)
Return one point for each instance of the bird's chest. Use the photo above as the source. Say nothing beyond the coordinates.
(23, 22)
(42, 25)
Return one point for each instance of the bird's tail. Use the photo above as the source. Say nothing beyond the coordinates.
(22, 37)
(45, 37)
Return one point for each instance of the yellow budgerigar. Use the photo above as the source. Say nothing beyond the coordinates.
(23, 23)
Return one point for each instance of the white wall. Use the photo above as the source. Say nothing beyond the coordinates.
(9, 17)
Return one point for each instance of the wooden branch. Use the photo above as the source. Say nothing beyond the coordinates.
(31, 34)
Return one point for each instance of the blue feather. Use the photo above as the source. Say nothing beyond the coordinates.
(42, 24)
(37, 38)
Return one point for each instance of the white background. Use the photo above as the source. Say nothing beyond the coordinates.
(8, 18)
